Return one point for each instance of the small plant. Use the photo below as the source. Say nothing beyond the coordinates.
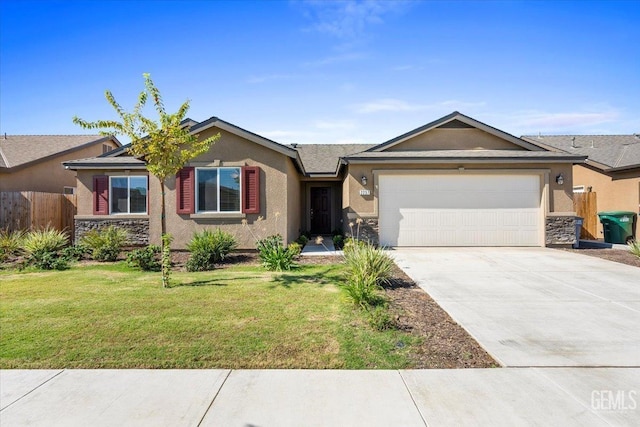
(10, 243)
(208, 248)
(274, 255)
(302, 240)
(146, 259)
(634, 247)
(380, 318)
(295, 249)
(105, 244)
(338, 241)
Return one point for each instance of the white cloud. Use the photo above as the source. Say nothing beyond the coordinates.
(350, 18)
(529, 121)
(268, 77)
(344, 57)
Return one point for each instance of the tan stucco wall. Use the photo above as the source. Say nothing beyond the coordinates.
(612, 194)
(276, 196)
(560, 196)
(455, 139)
(48, 176)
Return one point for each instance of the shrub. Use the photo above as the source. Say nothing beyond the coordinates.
(208, 248)
(48, 261)
(46, 240)
(634, 247)
(105, 244)
(75, 252)
(302, 240)
(10, 243)
(274, 255)
(367, 268)
(145, 259)
(338, 241)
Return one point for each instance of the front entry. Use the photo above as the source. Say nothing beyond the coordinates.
(320, 210)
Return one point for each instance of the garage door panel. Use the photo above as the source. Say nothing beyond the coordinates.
(478, 210)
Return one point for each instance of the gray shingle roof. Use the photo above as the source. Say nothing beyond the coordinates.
(465, 154)
(325, 158)
(19, 150)
(613, 151)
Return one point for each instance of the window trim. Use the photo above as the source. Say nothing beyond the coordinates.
(196, 200)
(146, 207)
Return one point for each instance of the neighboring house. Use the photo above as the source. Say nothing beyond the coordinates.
(33, 162)
(452, 182)
(612, 169)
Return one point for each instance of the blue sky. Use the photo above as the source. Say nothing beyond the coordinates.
(326, 71)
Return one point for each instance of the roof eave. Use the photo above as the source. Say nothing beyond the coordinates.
(397, 160)
(79, 166)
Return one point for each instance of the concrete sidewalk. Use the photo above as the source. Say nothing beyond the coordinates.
(507, 396)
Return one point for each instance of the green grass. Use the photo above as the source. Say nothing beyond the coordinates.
(109, 316)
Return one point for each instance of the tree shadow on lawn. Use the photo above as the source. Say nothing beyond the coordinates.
(211, 282)
(320, 278)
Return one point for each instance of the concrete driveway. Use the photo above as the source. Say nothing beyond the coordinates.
(535, 306)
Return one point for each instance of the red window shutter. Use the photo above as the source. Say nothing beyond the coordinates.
(100, 195)
(251, 189)
(185, 191)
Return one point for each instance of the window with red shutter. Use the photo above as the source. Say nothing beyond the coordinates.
(251, 189)
(185, 191)
(100, 195)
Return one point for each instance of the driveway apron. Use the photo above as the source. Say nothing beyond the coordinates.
(535, 306)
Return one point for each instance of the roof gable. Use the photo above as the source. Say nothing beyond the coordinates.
(459, 123)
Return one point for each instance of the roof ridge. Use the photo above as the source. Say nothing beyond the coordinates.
(578, 134)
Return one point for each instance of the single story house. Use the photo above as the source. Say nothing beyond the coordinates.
(32, 162)
(452, 182)
(612, 168)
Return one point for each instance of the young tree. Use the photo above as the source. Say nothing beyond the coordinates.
(165, 145)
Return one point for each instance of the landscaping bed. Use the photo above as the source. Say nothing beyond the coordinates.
(616, 255)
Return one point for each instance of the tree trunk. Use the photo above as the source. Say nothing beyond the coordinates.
(163, 230)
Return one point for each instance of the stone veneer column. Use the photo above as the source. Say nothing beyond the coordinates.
(560, 230)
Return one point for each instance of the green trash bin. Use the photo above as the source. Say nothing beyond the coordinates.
(617, 226)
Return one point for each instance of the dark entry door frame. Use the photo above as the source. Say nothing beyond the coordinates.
(320, 210)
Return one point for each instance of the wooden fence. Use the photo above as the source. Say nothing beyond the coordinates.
(30, 210)
(586, 206)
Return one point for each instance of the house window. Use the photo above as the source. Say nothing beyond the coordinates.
(69, 190)
(218, 189)
(128, 194)
(106, 148)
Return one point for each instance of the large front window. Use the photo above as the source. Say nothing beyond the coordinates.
(128, 194)
(218, 189)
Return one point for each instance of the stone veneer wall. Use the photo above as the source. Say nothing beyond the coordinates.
(560, 230)
(138, 229)
(369, 230)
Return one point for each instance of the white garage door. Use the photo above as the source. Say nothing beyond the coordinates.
(460, 210)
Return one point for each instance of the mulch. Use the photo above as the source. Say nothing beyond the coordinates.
(615, 255)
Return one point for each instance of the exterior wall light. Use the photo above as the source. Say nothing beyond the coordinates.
(363, 180)
(559, 179)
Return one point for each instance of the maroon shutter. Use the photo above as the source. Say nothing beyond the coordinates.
(185, 191)
(251, 189)
(100, 195)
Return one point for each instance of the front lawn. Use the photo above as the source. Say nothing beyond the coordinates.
(109, 316)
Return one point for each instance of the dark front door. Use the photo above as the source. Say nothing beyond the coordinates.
(320, 210)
